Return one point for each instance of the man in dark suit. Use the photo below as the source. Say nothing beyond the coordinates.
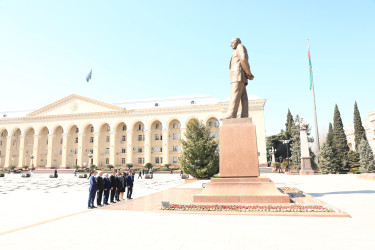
(118, 186)
(100, 188)
(129, 184)
(112, 179)
(93, 189)
(107, 187)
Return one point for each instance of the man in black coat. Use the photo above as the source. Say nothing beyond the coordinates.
(100, 188)
(129, 184)
(107, 188)
(118, 186)
(112, 179)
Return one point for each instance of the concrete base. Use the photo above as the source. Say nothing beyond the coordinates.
(241, 190)
(306, 166)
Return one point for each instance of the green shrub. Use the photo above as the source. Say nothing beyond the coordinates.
(148, 165)
(354, 170)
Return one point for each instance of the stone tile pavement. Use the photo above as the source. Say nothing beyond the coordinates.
(100, 228)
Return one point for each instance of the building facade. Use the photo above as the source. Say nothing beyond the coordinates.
(77, 130)
(369, 126)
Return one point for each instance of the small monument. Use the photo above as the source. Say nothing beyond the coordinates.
(239, 180)
(305, 154)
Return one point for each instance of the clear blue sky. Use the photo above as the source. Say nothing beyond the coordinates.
(142, 49)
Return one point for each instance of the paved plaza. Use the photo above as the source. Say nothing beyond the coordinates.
(43, 213)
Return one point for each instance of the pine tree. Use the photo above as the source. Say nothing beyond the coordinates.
(288, 125)
(340, 144)
(353, 159)
(366, 156)
(200, 155)
(327, 156)
(359, 130)
(295, 147)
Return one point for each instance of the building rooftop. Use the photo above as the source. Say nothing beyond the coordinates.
(146, 103)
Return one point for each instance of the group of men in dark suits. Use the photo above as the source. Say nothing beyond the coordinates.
(112, 187)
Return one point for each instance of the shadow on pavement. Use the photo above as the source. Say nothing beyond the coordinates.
(344, 192)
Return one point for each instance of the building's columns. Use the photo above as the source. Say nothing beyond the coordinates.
(50, 150)
(96, 149)
(64, 155)
(147, 145)
(35, 150)
(183, 131)
(8, 152)
(21, 155)
(80, 150)
(112, 147)
(129, 153)
(165, 146)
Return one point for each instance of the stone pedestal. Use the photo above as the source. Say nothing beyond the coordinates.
(306, 166)
(239, 169)
(238, 148)
(241, 190)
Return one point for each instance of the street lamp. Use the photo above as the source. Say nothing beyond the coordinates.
(32, 161)
(272, 153)
(287, 150)
(90, 158)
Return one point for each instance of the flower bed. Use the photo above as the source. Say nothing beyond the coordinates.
(250, 208)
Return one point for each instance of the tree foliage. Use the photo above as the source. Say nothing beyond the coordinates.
(276, 142)
(359, 130)
(340, 144)
(296, 145)
(353, 159)
(288, 125)
(329, 139)
(327, 165)
(366, 156)
(200, 155)
(148, 165)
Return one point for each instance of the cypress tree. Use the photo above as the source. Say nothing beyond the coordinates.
(359, 130)
(295, 146)
(340, 144)
(329, 139)
(327, 156)
(288, 125)
(366, 156)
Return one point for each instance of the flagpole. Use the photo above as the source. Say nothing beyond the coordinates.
(317, 144)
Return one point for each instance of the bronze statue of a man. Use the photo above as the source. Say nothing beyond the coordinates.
(239, 74)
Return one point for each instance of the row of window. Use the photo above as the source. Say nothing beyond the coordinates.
(158, 137)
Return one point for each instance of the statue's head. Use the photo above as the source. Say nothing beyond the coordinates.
(234, 43)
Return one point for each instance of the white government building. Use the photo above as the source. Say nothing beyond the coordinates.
(369, 126)
(77, 130)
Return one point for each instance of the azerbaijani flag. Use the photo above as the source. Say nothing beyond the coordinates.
(310, 68)
(88, 78)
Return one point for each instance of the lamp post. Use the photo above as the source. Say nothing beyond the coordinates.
(90, 157)
(287, 151)
(272, 153)
(32, 161)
